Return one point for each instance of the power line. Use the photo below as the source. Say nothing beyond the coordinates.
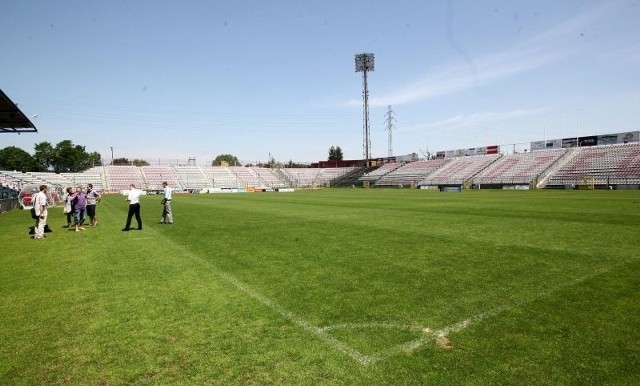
(389, 128)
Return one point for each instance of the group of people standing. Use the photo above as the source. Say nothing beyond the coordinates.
(79, 202)
(134, 206)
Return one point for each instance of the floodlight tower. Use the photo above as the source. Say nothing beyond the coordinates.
(364, 64)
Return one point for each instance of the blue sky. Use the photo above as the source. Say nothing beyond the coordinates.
(172, 80)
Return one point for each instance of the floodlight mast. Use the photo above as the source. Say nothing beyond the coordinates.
(364, 64)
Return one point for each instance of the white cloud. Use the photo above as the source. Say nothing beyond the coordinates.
(485, 118)
(548, 47)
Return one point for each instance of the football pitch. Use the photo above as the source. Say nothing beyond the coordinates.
(333, 286)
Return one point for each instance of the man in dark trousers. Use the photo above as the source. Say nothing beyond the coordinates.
(134, 207)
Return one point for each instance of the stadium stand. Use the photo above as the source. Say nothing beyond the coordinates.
(93, 176)
(381, 171)
(269, 177)
(327, 175)
(192, 178)
(8, 181)
(617, 164)
(411, 173)
(519, 168)
(119, 177)
(53, 178)
(247, 177)
(17, 180)
(222, 177)
(155, 175)
(459, 170)
(602, 166)
(302, 177)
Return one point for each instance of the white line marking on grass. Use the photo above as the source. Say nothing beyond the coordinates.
(430, 336)
(297, 320)
(300, 322)
(365, 360)
(387, 326)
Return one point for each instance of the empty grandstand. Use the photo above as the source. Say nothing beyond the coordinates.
(121, 176)
(222, 177)
(93, 176)
(302, 177)
(518, 169)
(602, 166)
(269, 177)
(154, 176)
(246, 176)
(409, 174)
(376, 174)
(459, 171)
(192, 178)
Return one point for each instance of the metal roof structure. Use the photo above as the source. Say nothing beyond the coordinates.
(12, 120)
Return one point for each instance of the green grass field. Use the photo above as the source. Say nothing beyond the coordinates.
(348, 287)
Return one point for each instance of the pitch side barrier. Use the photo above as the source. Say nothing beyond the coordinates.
(247, 190)
(7, 204)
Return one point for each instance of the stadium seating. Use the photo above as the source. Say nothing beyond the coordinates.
(617, 164)
(519, 168)
(411, 173)
(94, 176)
(156, 175)
(192, 178)
(222, 177)
(119, 177)
(17, 180)
(246, 176)
(329, 174)
(459, 170)
(54, 179)
(269, 177)
(381, 171)
(600, 165)
(303, 177)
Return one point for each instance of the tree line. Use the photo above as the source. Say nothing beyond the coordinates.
(65, 157)
(335, 154)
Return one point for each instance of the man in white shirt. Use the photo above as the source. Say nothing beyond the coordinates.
(134, 208)
(167, 216)
(40, 206)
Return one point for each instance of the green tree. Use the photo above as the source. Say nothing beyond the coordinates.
(70, 158)
(73, 158)
(228, 158)
(140, 162)
(44, 156)
(335, 153)
(14, 158)
(292, 164)
(95, 159)
(121, 161)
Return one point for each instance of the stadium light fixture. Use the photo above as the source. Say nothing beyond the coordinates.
(365, 63)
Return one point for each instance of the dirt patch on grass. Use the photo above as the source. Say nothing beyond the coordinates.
(444, 342)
